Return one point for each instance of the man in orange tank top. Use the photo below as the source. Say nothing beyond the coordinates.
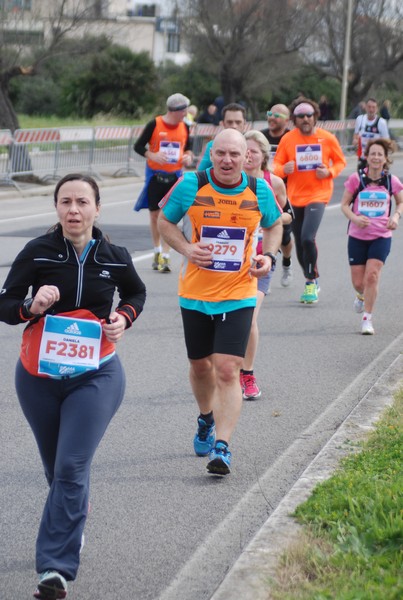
(165, 143)
(221, 209)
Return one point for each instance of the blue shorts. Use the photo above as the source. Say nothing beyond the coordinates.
(360, 251)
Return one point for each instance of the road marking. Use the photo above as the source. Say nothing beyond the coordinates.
(142, 257)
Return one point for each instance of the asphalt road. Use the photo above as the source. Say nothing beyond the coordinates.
(160, 526)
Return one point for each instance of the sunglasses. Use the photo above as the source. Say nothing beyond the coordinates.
(277, 115)
(302, 115)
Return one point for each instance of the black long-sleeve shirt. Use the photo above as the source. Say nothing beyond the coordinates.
(89, 283)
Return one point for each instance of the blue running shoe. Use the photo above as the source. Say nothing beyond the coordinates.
(205, 437)
(220, 459)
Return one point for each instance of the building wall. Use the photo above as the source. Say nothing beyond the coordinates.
(111, 18)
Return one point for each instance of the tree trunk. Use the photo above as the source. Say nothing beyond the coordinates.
(19, 155)
(227, 85)
(8, 116)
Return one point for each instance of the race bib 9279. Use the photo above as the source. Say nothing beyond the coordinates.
(227, 245)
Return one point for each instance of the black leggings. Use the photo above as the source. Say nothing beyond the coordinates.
(305, 226)
(68, 418)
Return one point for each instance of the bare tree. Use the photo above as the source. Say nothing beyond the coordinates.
(248, 44)
(377, 43)
(27, 39)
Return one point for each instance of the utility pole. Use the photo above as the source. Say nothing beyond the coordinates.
(346, 60)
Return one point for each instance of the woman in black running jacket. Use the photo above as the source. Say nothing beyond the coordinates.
(69, 379)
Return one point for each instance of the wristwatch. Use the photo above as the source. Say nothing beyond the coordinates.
(272, 256)
(26, 308)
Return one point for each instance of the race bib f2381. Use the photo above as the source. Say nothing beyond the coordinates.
(69, 346)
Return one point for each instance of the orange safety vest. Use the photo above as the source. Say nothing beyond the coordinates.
(173, 139)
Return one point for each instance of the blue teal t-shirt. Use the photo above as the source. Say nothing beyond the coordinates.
(205, 162)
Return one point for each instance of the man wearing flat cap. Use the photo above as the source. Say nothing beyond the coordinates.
(165, 143)
(310, 158)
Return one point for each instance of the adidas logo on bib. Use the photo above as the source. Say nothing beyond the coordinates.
(73, 329)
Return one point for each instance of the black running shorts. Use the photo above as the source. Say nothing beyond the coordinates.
(159, 185)
(225, 333)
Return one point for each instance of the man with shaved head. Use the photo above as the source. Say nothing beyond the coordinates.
(278, 118)
(221, 209)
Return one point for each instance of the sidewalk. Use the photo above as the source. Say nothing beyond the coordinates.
(249, 577)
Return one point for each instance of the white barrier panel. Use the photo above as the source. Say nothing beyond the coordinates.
(113, 133)
(5, 137)
(76, 134)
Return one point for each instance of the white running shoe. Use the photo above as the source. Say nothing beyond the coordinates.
(359, 303)
(286, 277)
(366, 327)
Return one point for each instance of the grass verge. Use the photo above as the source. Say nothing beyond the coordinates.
(351, 546)
(38, 122)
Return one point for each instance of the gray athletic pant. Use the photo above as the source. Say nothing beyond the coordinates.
(68, 418)
(304, 227)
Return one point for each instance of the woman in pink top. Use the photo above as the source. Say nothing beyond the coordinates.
(367, 203)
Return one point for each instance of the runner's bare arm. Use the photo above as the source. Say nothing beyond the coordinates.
(197, 253)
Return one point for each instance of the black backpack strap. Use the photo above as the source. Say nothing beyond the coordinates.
(252, 183)
(388, 185)
(201, 178)
(362, 185)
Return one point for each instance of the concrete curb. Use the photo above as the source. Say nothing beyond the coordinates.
(249, 577)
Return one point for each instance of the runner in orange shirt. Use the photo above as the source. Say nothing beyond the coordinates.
(310, 158)
(220, 209)
(165, 144)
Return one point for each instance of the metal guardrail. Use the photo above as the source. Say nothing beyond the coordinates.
(48, 154)
(6, 139)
